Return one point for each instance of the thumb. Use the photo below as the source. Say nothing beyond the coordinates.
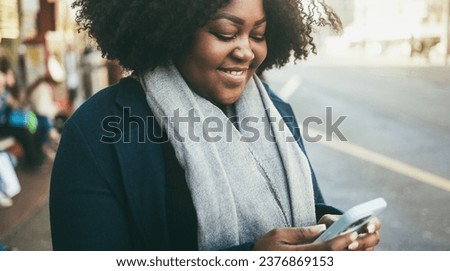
(304, 235)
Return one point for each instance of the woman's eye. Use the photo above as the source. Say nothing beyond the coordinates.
(224, 37)
(259, 37)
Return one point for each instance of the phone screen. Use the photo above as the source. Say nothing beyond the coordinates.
(357, 226)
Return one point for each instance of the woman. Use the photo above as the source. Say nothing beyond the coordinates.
(192, 152)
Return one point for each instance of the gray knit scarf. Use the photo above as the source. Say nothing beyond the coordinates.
(244, 180)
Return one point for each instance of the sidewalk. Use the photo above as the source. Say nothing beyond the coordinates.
(25, 225)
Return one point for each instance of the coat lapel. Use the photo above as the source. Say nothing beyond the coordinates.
(142, 164)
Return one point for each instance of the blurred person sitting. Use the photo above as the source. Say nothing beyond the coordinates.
(72, 79)
(20, 124)
(10, 79)
(41, 96)
(9, 183)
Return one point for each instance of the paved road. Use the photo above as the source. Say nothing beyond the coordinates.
(398, 130)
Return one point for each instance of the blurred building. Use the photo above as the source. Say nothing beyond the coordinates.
(9, 19)
(405, 27)
(34, 31)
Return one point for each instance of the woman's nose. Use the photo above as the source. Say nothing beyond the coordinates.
(243, 53)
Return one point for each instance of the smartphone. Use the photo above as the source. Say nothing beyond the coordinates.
(353, 219)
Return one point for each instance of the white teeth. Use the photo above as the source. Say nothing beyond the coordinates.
(235, 73)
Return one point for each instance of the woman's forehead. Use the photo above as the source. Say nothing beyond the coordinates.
(243, 8)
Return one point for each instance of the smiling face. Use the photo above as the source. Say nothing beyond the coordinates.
(226, 52)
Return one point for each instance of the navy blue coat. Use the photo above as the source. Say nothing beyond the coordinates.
(108, 189)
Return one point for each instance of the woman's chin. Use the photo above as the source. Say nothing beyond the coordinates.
(228, 100)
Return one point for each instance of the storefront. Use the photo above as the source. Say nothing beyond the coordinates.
(9, 19)
(34, 31)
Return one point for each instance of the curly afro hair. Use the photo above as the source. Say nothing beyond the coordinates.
(144, 34)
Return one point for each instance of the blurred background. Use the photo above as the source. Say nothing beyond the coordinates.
(381, 91)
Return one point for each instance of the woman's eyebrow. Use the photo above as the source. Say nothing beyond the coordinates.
(235, 19)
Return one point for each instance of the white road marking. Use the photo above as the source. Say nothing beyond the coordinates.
(386, 162)
(381, 160)
(290, 87)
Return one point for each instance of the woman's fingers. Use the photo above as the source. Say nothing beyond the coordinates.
(300, 235)
(368, 241)
(303, 235)
(282, 238)
(339, 243)
(373, 225)
(329, 219)
(369, 237)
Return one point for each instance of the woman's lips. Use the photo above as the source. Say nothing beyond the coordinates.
(234, 76)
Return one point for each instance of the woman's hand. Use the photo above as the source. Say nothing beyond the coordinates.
(301, 239)
(367, 239)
